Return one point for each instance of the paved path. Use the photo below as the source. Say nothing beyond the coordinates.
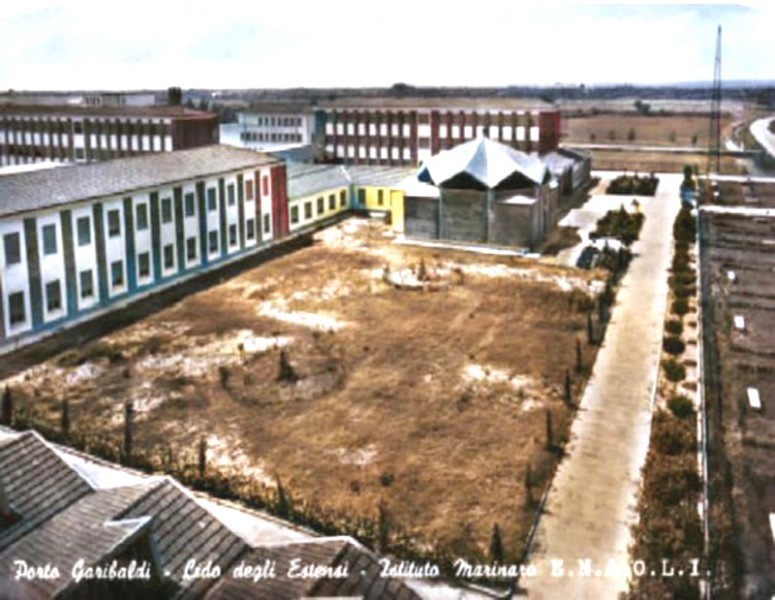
(592, 500)
(760, 130)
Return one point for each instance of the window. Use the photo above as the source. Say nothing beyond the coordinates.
(380, 197)
(166, 210)
(79, 154)
(114, 223)
(332, 202)
(53, 296)
(12, 243)
(117, 273)
(169, 256)
(321, 205)
(266, 185)
(230, 194)
(83, 225)
(212, 241)
(232, 235)
(294, 214)
(87, 283)
(249, 189)
(191, 248)
(141, 212)
(308, 210)
(144, 265)
(16, 312)
(49, 239)
(267, 223)
(77, 127)
(361, 197)
(189, 207)
(212, 203)
(250, 229)
(343, 198)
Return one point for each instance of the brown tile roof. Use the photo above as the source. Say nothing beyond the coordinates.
(442, 103)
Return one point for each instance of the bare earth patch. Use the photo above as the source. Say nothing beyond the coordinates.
(433, 401)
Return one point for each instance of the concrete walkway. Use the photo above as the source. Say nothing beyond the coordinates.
(592, 501)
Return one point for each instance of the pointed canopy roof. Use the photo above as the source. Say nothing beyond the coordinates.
(487, 162)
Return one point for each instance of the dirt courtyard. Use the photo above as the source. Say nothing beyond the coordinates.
(353, 391)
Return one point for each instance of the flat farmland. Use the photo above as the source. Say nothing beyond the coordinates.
(643, 130)
(312, 368)
(659, 162)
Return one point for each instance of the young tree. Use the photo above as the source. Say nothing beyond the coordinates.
(65, 423)
(7, 408)
(202, 456)
(496, 545)
(549, 431)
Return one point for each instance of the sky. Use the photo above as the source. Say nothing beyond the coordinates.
(144, 44)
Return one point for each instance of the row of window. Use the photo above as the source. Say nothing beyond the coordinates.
(279, 121)
(321, 206)
(258, 136)
(78, 127)
(53, 289)
(12, 241)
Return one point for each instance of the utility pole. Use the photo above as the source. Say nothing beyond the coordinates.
(714, 137)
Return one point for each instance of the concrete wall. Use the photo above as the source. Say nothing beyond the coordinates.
(464, 216)
(421, 217)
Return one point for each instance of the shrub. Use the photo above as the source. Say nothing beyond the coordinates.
(680, 264)
(674, 327)
(684, 291)
(688, 277)
(673, 345)
(673, 436)
(685, 226)
(674, 371)
(681, 406)
(680, 306)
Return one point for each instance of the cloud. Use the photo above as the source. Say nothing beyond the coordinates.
(51, 44)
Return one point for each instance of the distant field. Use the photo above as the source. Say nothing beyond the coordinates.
(662, 162)
(643, 130)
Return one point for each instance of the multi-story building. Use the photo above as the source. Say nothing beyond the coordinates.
(80, 240)
(88, 133)
(276, 123)
(408, 131)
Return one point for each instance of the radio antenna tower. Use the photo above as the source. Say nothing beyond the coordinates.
(714, 137)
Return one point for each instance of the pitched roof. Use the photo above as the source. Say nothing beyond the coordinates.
(183, 530)
(306, 179)
(488, 162)
(43, 189)
(86, 530)
(36, 482)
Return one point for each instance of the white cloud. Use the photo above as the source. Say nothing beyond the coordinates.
(95, 44)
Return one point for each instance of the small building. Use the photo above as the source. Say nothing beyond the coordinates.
(481, 192)
(83, 239)
(276, 123)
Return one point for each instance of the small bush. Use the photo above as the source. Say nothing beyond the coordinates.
(680, 306)
(674, 327)
(680, 264)
(688, 277)
(681, 406)
(674, 371)
(684, 291)
(673, 345)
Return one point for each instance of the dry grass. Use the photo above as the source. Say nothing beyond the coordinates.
(654, 130)
(434, 402)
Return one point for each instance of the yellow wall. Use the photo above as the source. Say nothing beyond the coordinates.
(372, 197)
(299, 203)
(397, 210)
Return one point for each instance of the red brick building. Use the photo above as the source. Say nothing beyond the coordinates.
(407, 131)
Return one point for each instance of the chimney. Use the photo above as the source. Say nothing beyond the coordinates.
(174, 96)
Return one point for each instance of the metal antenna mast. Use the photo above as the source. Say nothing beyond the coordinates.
(714, 137)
